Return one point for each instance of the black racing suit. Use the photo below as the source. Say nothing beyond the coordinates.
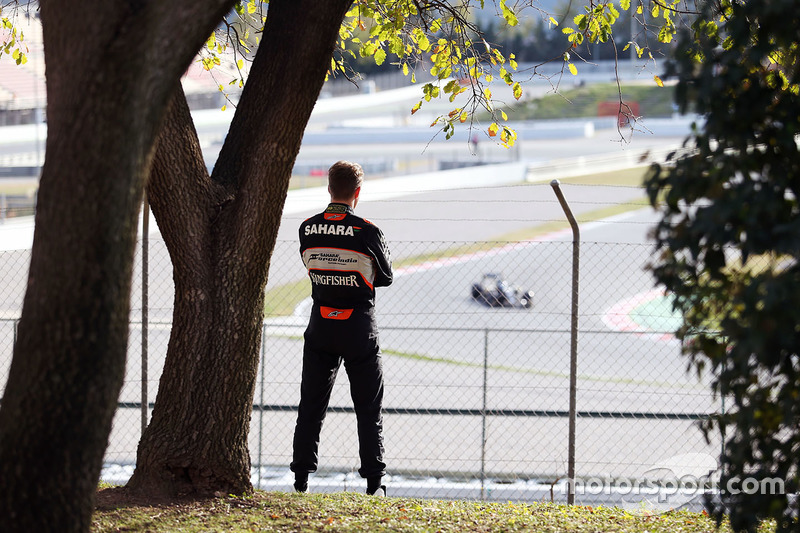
(346, 257)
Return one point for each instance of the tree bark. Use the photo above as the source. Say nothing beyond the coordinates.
(106, 96)
(221, 240)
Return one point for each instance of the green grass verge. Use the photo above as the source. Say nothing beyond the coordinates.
(350, 512)
(653, 101)
(282, 300)
(18, 189)
(536, 372)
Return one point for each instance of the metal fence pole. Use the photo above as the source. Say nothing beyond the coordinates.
(483, 412)
(573, 346)
(261, 402)
(145, 265)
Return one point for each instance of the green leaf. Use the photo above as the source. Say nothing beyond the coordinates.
(508, 14)
(421, 40)
(380, 56)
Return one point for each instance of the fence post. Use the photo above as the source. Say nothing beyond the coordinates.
(573, 345)
(145, 282)
(261, 402)
(483, 412)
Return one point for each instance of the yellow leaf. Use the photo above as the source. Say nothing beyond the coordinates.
(240, 63)
(573, 69)
(658, 81)
(224, 107)
(493, 129)
(503, 114)
(517, 91)
(463, 117)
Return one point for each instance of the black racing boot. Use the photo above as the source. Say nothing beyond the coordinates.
(301, 481)
(374, 487)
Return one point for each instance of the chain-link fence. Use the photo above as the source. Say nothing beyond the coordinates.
(476, 402)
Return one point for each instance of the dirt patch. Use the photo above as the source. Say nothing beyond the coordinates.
(120, 497)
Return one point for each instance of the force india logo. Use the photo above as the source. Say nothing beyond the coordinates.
(331, 258)
(331, 229)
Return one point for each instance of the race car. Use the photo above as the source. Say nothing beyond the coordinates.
(494, 291)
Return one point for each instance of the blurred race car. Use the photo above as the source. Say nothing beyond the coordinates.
(494, 291)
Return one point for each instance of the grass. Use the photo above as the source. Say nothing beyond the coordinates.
(654, 101)
(282, 300)
(534, 371)
(18, 189)
(351, 512)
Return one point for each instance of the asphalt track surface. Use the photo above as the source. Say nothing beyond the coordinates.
(436, 341)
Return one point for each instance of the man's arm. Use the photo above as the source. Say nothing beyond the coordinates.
(383, 260)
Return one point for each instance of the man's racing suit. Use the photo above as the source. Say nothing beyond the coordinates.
(346, 257)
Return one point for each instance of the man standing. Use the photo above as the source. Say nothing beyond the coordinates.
(346, 257)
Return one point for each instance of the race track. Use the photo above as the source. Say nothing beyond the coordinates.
(439, 344)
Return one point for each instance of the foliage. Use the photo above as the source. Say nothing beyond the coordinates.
(12, 39)
(730, 199)
(439, 37)
(657, 20)
(349, 512)
(445, 40)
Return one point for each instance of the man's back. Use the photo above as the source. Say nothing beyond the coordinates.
(346, 257)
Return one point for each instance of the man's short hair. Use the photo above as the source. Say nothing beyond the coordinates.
(344, 178)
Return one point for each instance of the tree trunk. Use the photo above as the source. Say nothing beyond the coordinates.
(106, 97)
(220, 231)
